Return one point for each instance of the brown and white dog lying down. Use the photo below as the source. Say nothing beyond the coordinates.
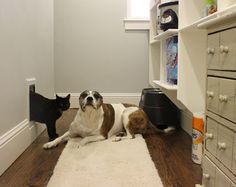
(97, 121)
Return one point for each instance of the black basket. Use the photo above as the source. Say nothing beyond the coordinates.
(162, 112)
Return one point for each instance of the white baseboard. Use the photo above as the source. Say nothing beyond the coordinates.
(14, 142)
(186, 121)
(132, 98)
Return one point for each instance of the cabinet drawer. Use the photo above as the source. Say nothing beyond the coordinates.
(211, 136)
(234, 156)
(227, 98)
(233, 184)
(228, 49)
(208, 178)
(225, 145)
(213, 51)
(213, 94)
(221, 180)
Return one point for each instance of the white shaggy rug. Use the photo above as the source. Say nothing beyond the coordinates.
(126, 163)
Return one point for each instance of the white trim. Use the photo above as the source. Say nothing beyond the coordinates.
(31, 81)
(134, 24)
(14, 142)
(8, 135)
(132, 98)
(186, 121)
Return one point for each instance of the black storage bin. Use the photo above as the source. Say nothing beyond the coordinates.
(161, 111)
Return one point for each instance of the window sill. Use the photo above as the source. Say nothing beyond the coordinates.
(134, 24)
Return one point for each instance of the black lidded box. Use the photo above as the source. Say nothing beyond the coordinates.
(161, 111)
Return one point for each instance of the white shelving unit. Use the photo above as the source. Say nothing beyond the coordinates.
(165, 85)
(192, 43)
(166, 34)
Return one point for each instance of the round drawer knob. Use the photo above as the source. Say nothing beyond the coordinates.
(223, 98)
(210, 51)
(210, 94)
(221, 145)
(209, 136)
(224, 49)
(206, 176)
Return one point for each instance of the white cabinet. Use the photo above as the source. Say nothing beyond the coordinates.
(222, 50)
(227, 97)
(220, 133)
(234, 156)
(213, 44)
(211, 136)
(208, 176)
(225, 145)
(212, 94)
(233, 184)
(221, 180)
(192, 56)
(221, 96)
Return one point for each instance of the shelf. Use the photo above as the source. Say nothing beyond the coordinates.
(193, 26)
(219, 16)
(166, 34)
(218, 20)
(165, 85)
(153, 42)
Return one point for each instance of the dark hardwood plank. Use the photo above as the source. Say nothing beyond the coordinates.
(171, 154)
(35, 166)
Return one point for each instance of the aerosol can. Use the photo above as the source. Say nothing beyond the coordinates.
(197, 137)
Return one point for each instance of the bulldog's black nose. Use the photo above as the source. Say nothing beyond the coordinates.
(89, 99)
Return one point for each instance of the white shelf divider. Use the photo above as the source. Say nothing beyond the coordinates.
(166, 34)
(165, 85)
(153, 42)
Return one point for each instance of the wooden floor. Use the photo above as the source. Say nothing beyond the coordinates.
(171, 154)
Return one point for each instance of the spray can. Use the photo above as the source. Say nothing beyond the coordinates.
(197, 137)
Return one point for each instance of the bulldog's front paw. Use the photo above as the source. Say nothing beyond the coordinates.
(116, 139)
(49, 145)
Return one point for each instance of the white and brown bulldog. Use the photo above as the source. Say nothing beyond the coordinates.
(96, 121)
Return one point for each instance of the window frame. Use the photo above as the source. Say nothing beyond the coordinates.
(134, 23)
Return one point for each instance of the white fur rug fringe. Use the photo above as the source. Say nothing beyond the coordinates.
(126, 163)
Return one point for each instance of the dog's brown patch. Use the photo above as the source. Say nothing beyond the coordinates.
(138, 122)
(126, 105)
(108, 121)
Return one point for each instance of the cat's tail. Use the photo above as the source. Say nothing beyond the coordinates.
(168, 129)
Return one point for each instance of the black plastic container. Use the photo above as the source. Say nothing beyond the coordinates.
(162, 112)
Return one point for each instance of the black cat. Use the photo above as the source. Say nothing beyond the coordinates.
(44, 110)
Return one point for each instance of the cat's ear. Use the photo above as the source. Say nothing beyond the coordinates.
(57, 96)
(68, 96)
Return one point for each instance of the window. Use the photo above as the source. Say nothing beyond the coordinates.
(137, 15)
(138, 9)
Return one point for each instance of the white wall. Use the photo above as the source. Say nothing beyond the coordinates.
(93, 51)
(26, 50)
